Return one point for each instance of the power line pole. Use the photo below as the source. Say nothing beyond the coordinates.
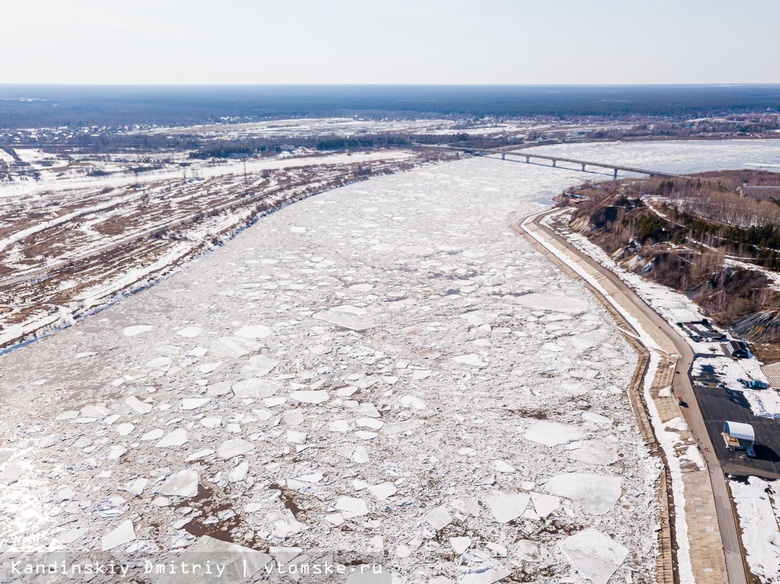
(246, 185)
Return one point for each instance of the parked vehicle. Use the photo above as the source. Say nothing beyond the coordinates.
(753, 384)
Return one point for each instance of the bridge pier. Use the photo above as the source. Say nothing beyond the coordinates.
(615, 175)
(555, 163)
(503, 156)
(527, 159)
(583, 167)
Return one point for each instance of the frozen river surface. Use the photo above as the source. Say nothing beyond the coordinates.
(385, 371)
(683, 156)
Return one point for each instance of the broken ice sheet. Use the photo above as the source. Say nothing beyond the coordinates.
(506, 506)
(544, 504)
(239, 473)
(310, 397)
(155, 434)
(125, 429)
(552, 433)
(401, 427)
(438, 518)
(592, 451)
(596, 494)
(159, 363)
(256, 388)
(194, 403)
(181, 484)
(190, 332)
(460, 544)
(231, 448)
(351, 507)
(411, 401)
(175, 438)
(565, 304)
(594, 555)
(471, 359)
(234, 347)
(597, 419)
(482, 575)
(360, 455)
(349, 317)
(258, 366)
(383, 490)
(71, 535)
(501, 466)
(131, 331)
(528, 551)
(467, 506)
(240, 564)
(257, 331)
(124, 533)
(138, 406)
(340, 426)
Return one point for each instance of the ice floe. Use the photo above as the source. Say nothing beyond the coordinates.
(181, 484)
(596, 494)
(134, 330)
(552, 433)
(594, 555)
(349, 317)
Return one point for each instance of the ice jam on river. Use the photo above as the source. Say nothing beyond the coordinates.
(385, 371)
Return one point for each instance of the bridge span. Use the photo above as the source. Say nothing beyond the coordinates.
(586, 163)
(518, 156)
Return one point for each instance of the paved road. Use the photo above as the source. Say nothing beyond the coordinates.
(671, 342)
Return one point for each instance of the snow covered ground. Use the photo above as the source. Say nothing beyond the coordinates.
(385, 371)
(758, 507)
(673, 306)
(13, 191)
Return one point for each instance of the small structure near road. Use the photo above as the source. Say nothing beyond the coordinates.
(702, 330)
(736, 350)
(739, 436)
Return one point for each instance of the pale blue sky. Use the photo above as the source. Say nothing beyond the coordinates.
(390, 41)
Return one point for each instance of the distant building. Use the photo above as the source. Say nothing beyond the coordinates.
(702, 330)
(736, 350)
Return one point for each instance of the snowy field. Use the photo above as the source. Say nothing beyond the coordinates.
(758, 507)
(14, 191)
(385, 372)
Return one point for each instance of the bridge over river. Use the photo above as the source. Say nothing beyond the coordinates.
(530, 157)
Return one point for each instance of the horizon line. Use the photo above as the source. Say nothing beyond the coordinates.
(400, 85)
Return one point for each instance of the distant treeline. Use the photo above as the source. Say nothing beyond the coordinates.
(100, 142)
(254, 146)
(112, 141)
(83, 106)
(710, 210)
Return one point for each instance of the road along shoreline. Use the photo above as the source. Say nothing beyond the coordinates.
(693, 508)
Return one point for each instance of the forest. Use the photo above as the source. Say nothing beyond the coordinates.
(714, 237)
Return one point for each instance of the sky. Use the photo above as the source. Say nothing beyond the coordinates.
(390, 41)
